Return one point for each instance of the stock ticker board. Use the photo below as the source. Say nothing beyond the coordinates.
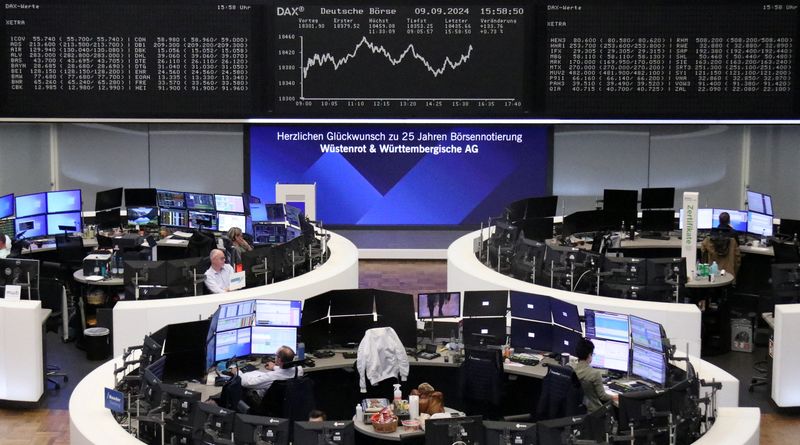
(439, 59)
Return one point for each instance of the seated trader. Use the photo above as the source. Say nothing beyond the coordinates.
(726, 228)
(218, 276)
(591, 379)
(262, 380)
(5, 245)
(723, 246)
(237, 240)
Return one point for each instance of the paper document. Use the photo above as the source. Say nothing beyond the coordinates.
(182, 234)
(94, 278)
(176, 241)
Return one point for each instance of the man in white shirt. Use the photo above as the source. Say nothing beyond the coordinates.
(5, 245)
(218, 276)
(262, 380)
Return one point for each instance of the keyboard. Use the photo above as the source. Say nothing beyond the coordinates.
(323, 354)
(248, 368)
(525, 359)
(350, 354)
(429, 355)
(627, 387)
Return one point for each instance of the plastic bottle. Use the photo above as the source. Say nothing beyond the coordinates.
(398, 395)
(115, 261)
(359, 413)
(413, 407)
(714, 270)
(301, 351)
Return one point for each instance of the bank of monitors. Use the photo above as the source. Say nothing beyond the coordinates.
(439, 305)
(6, 205)
(139, 273)
(143, 216)
(257, 430)
(339, 432)
(33, 204)
(229, 203)
(607, 325)
(649, 364)
(646, 333)
(759, 224)
(504, 433)
(491, 303)
(108, 199)
(461, 430)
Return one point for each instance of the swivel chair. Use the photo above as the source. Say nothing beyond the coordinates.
(562, 394)
(481, 378)
(52, 296)
(289, 399)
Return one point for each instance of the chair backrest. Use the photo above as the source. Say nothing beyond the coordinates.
(290, 399)
(562, 394)
(69, 249)
(231, 393)
(482, 374)
(786, 253)
(200, 244)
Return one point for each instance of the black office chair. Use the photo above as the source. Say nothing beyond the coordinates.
(786, 253)
(51, 288)
(481, 379)
(200, 244)
(562, 394)
(70, 251)
(500, 246)
(289, 399)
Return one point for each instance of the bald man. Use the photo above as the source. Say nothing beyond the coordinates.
(218, 276)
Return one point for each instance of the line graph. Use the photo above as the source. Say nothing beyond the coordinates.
(319, 60)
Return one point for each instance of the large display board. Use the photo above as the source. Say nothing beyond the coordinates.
(510, 58)
(402, 174)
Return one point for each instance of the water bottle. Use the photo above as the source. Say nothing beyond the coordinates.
(359, 413)
(301, 351)
(118, 261)
(714, 270)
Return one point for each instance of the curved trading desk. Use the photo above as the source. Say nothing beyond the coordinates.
(92, 423)
(134, 319)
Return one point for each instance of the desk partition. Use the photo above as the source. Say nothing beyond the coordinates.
(785, 357)
(21, 351)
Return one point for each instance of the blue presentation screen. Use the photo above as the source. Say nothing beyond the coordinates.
(403, 175)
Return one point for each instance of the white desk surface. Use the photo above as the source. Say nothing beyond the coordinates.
(111, 281)
(396, 436)
(720, 281)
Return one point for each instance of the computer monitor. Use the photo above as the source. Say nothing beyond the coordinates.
(658, 220)
(213, 422)
(558, 431)
(489, 303)
(278, 313)
(530, 306)
(768, 205)
(200, 201)
(607, 325)
(646, 333)
(565, 314)
(649, 365)
(173, 217)
(609, 354)
(71, 219)
(620, 206)
(258, 212)
(143, 216)
(108, 199)
(257, 430)
(64, 201)
(786, 282)
(531, 335)
(150, 387)
(738, 219)
(259, 265)
(293, 215)
(184, 271)
(202, 220)
(229, 203)
(6, 205)
(705, 219)
(140, 197)
(505, 433)
(487, 330)
(146, 272)
(528, 259)
(267, 339)
(565, 340)
(755, 201)
(540, 207)
(226, 221)
(19, 272)
(171, 199)
(339, 432)
(234, 315)
(666, 271)
(789, 227)
(438, 305)
(466, 430)
(234, 343)
(31, 226)
(275, 213)
(348, 331)
(658, 198)
(108, 219)
(33, 204)
(179, 403)
(759, 224)
(625, 270)
(637, 407)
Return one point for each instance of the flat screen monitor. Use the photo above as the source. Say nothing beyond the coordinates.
(789, 227)
(786, 281)
(227, 221)
(531, 335)
(258, 212)
(171, 199)
(348, 331)
(504, 433)
(143, 216)
(235, 343)
(666, 271)
(530, 306)
(635, 408)
(466, 430)
(658, 220)
(235, 315)
(31, 226)
(649, 365)
(607, 325)
(565, 314)
(212, 421)
(625, 270)
(202, 220)
(620, 200)
(768, 205)
(140, 197)
(275, 213)
(339, 432)
(541, 207)
(490, 330)
(229, 203)
(646, 333)
(738, 219)
(557, 431)
(613, 355)
(759, 224)
(438, 305)
(564, 340)
(146, 272)
(267, 339)
(108, 199)
(64, 201)
(7, 205)
(755, 201)
(490, 303)
(70, 219)
(705, 219)
(108, 219)
(173, 217)
(278, 313)
(658, 198)
(200, 201)
(34, 204)
(16, 271)
(255, 430)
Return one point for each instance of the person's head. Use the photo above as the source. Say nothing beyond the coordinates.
(284, 354)
(584, 350)
(317, 416)
(217, 258)
(724, 219)
(234, 233)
